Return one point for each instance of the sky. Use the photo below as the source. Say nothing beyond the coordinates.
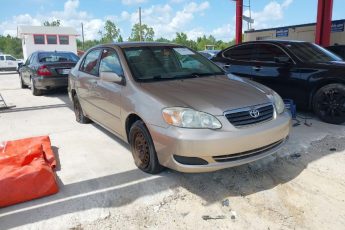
(195, 18)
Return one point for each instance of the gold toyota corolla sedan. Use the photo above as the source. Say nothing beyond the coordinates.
(176, 108)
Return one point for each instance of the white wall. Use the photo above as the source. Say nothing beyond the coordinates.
(29, 46)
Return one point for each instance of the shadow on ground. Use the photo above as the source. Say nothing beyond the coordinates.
(125, 187)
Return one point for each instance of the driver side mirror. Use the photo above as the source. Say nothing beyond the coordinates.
(111, 77)
(282, 60)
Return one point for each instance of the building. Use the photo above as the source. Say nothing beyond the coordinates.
(304, 32)
(47, 38)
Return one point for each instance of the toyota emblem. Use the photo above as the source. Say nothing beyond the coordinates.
(254, 113)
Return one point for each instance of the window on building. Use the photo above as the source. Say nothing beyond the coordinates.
(51, 39)
(39, 39)
(63, 39)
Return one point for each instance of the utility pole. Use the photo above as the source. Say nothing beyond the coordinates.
(140, 31)
(82, 34)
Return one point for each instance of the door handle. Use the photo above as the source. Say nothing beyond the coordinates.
(257, 68)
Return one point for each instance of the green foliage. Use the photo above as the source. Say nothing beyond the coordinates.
(111, 32)
(147, 33)
(11, 45)
(52, 23)
(163, 40)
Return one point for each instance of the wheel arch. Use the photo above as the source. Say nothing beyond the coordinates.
(130, 120)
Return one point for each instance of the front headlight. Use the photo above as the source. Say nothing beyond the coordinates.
(189, 118)
(278, 102)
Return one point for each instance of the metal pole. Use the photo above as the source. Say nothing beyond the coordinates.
(140, 32)
(82, 34)
(250, 15)
(324, 22)
(239, 17)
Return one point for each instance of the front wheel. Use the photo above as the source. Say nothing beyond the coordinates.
(329, 103)
(21, 82)
(143, 150)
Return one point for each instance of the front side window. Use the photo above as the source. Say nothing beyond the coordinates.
(241, 53)
(268, 53)
(110, 62)
(10, 58)
(2, 58)
(39, 39)
(90, 63)
(63, 39)
(311, 53)
(156, 63)
(51, 39)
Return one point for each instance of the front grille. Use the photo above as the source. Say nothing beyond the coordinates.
(243, 117)
(251, 153)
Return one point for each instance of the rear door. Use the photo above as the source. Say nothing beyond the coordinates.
(108, 94)
(236, 60)
(88, 76)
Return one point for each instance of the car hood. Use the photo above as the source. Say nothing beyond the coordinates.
(213, 95)
(340, 64)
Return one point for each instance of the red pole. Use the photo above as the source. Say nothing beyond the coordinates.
(324, 22)
(239, 14)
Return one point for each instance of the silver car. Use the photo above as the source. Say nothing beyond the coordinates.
(176, 108)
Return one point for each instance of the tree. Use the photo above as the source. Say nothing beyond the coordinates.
(11, 45)
(163, 40)
(120, 39)
(52, 23)
(110, 33)
(147, 33)
(182, 39)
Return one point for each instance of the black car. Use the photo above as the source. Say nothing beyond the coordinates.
(338, 50)
(46, 70)
(304, 72)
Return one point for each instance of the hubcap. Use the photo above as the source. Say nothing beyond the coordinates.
(141, 151)
(332, 104)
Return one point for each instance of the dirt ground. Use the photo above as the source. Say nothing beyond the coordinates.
(300, 187)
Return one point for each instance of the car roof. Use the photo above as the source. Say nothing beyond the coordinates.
(283, 42)
(138, 44)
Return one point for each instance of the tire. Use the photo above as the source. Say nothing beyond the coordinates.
(21, 82)
(143, 149)
(329, 103)
(35, 92)
(78, 111)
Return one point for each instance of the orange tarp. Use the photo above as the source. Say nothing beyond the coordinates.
(26, 170)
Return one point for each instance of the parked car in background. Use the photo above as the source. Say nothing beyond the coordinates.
(9, 63)
(190, 118)
(46, 70)
(338, 50)
(209, 53)
(305, 72)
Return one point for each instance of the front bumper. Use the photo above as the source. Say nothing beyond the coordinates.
(50, 82)
(245, 144)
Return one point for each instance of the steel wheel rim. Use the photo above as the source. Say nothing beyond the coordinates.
(332, 103)
(141, 150)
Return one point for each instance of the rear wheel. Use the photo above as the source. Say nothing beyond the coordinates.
(35, 92)
(78, 111)
(329, 103)
(143, 150)
(21, 82)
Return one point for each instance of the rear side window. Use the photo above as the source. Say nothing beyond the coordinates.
(268, 53)
(51, 39)
(39, 39)
(110, 62)
(90, 62)
(241, 53)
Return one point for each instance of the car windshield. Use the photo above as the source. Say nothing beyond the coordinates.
(158, 63)
(57, 57)
(312, 53)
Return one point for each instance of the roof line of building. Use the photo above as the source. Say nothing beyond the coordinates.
(285, 27)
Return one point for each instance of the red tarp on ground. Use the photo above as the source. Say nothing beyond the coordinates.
(26, 170)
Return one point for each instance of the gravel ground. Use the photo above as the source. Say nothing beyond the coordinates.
(300, 187)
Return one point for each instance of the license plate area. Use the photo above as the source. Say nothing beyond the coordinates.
(64, 71)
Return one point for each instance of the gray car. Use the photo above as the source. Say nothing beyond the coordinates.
(176, 108)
